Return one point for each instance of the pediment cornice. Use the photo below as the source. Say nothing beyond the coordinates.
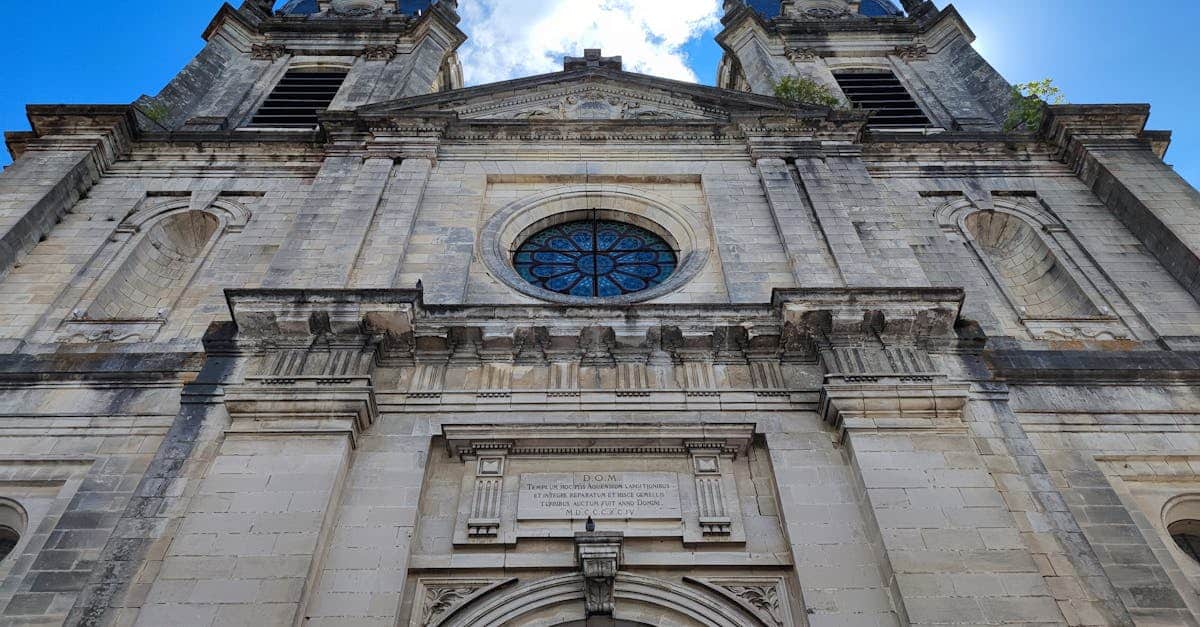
(549, 93)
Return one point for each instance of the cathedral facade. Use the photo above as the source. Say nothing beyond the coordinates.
(319, 336)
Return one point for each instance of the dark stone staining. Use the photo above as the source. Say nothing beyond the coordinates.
(141, 524)
(26, 604)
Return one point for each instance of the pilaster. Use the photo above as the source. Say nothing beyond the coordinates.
(325, 239)
(387, 240)
(808, 252)
(949, 548)
(1110, 150)
(54, 166)
(255, 537)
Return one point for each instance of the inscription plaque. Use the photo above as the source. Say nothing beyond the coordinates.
(600, 495)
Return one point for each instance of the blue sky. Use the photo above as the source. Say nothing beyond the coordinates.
(1096, 50)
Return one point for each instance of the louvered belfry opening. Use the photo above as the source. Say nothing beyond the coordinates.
(883, 93)
(299, 96)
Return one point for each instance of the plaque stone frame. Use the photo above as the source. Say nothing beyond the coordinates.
(710, 509)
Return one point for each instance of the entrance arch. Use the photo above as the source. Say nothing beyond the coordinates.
(604, 622)
(559, 602)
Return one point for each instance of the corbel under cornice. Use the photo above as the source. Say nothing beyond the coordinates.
(113, 128)
(245, 20)
(1069, 127)
(911, 314)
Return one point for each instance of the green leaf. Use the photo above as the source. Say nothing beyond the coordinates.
(1029, 102)
(805, 91)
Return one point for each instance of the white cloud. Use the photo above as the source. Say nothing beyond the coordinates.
(514, 38)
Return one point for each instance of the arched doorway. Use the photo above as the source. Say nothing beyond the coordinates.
(639, 602)
(595, 621)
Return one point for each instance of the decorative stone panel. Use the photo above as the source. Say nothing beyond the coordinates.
(542, 481)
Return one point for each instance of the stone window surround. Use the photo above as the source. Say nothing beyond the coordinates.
(952, 217)
(937, 114)
(56, 481)
(1183, 507)
(1164, 489)
(231, 216)
(675, 223)
(275, 74)
(13, 516)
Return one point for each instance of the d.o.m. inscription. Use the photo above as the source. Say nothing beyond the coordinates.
(599, 495)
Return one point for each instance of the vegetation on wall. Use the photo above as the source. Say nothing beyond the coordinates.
(805, 91)
(155, 111)
(1029, 102)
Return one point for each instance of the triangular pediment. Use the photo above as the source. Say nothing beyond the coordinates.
(590, 100)
(586, 95)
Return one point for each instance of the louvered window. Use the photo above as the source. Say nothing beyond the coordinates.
(297, 99)
(882, 92)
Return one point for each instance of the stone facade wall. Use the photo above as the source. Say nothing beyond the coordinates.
(325, 406)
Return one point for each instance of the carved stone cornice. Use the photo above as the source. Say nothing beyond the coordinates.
(666, 439)
(112, 128)
(806, 133)
(1072, 129)
(888, 315)
(803, 54)
(894, 403)
(798, 326)
(311, 357)
(302, 406)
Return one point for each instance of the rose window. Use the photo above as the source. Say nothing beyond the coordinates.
(595, 259)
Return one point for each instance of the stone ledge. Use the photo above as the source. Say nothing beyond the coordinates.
(1086, 367)
(302, 405)
(894, 404)
(99, 366)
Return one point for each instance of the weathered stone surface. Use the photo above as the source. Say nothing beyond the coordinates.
(280, 376)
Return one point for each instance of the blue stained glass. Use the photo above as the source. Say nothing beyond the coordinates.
(595, 258)
(563, 283)
(550, 258)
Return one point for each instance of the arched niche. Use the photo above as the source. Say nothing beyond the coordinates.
(158, 267)
(1044, 274)
(1181, 520)
(164, 245)
(1034, 278)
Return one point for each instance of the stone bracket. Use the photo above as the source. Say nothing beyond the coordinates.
(599, 556)
(302, 404)
(893, 404)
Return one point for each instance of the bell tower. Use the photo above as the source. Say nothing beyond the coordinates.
(263, 68)
(915, 67)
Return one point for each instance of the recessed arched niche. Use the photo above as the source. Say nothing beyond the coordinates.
(153, 274)
(1032, 274)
